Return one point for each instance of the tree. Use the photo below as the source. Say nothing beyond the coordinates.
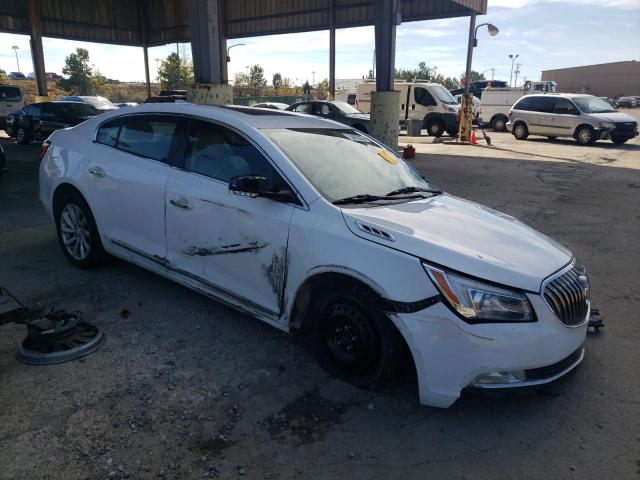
(277, 81)
(475, 76)
(323, 88)
(256, 77)
(80, 73)
(175, 73)
(240, 80)
(448, 82)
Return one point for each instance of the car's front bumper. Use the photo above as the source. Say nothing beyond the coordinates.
(451, 355)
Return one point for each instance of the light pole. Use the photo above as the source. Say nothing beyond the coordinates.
(513, 59)
(15, 49)
(230, 47)
(313, 78)
(517, 72)
(466, 114)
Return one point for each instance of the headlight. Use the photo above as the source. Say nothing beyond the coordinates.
(479, 302)
(610, 125)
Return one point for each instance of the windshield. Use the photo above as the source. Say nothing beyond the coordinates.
(443, 94)
(343, 163)
(345, 108)
(98, 102)
(593, 105)
(77, 110)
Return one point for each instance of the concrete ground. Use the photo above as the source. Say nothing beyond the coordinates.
(187, 388)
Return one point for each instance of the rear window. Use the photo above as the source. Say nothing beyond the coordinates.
(148, 136)
(10, 94)
(108, 133)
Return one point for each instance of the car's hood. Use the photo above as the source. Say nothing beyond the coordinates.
(467, 237)
(615, 117)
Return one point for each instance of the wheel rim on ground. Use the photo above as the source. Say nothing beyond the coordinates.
(74, 229)
(348, 338)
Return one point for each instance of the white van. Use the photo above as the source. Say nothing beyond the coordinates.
(495, 105)
(430, 102)
(11, 100)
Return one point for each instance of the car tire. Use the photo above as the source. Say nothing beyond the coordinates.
(77, 232)
(619, 141)
(499, 123)
(435, 128)
(520, 131)
(353, 339)
(585, 135)
(23, 137)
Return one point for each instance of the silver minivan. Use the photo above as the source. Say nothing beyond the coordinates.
(583, 117)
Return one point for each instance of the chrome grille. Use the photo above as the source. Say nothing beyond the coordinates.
(568, 295)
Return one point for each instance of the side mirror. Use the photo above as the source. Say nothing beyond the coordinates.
(259, 186)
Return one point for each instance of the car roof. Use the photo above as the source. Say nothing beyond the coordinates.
(234, 115)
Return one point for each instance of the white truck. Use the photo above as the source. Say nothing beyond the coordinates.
(430, 102)
(11, 100)
(496, 102)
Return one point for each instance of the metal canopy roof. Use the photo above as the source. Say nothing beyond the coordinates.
(154, 22)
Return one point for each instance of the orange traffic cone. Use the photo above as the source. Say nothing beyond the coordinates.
(473, 138)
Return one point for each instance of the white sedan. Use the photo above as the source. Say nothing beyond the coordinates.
(310, 225)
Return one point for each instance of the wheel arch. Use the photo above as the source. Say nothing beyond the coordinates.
(575, 132)
(499, 115)
(62, 189)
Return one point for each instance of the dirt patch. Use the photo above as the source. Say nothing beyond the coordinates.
(306, 419)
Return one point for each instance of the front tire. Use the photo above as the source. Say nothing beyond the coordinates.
(435, 128)
(77, 232)
(585, 135)
(23, 137)
(353, 339)
(520, 131)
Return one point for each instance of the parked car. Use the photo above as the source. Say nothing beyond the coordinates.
(125, 104)
(626, 102)
(31, 76)
(38, 120)
(3, 162)
(583, 117)
(478, 87)
(53, 76)
(11, 100)
(17, 76)
(312, 226)
(271, 105)
(339, 111)
(98, 102)
(429, 102)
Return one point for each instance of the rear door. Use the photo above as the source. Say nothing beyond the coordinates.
(127, 176)
(233, 245)
(538, 114)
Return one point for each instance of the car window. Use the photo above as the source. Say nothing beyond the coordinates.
(148, 135)
(304, 108)
(48, 110)
(564, 106)
(32, 110)
(536, 104)
(220, 153)
(10, 94)
(423, 97)
(108, 133)
(324, 110)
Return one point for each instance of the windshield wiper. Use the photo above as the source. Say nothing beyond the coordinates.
(362, 198)
(404, 190)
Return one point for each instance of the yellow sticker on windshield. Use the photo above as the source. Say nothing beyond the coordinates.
(388, 157)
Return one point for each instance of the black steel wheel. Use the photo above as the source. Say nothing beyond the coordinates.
(435, 128)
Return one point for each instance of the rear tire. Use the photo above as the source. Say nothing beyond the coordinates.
(353, 339)
(435, 128)
(520, 131)
(499, 123)
(77, 231)
(585, 135)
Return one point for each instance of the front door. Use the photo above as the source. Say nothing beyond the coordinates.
(565, 115)
(127, 176)
(233, 245)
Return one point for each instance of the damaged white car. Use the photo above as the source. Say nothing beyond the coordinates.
(307, 224)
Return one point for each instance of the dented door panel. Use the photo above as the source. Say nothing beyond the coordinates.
(236, 243)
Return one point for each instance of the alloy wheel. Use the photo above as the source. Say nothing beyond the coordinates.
(74, 228)
(585, 136)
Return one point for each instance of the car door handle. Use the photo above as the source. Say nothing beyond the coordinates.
(97, 171)
(181, 203)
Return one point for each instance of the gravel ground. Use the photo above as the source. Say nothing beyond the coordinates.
(187, 388)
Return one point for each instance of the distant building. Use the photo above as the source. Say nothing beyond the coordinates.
(604, 80)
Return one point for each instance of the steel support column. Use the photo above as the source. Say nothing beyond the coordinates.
(142, 25)
(146, 70)
(332, 52)
(37, 52)
(208, 43)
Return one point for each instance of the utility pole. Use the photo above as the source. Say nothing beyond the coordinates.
(493, 72)
(517, 72)
(15, 49)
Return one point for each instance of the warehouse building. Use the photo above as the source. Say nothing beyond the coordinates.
(604, 80)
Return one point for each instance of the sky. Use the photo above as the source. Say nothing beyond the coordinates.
(545, 34)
